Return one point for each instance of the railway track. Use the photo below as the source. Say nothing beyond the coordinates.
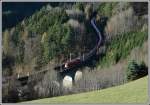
(65, 66)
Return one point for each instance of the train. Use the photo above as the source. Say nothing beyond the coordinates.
(72, 63)
(81, 59)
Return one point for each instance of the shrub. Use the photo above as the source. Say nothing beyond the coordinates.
(10, 92)
(143, 69)
(120, 23)
(132, 70)
(99, 79)
(48, 86)
(135, 71)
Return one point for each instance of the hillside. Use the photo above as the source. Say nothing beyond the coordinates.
(133, 92)
(51, 34)
(61, 35)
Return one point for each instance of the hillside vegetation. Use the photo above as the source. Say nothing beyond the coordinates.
(133, 92)
(52, 33)
(121, 46)
(58, 31)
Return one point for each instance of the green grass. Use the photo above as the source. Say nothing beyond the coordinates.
(132, 92)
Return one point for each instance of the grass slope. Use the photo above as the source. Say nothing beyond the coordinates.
(132, 92)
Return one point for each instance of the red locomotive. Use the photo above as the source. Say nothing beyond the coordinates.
(72, 63)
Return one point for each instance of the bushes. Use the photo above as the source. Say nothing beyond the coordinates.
(123, 22)
(48, 86)
(132, 70)
(99, 79)
(135, 71)
(90, 80)
(140, 53)
(10, 92)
